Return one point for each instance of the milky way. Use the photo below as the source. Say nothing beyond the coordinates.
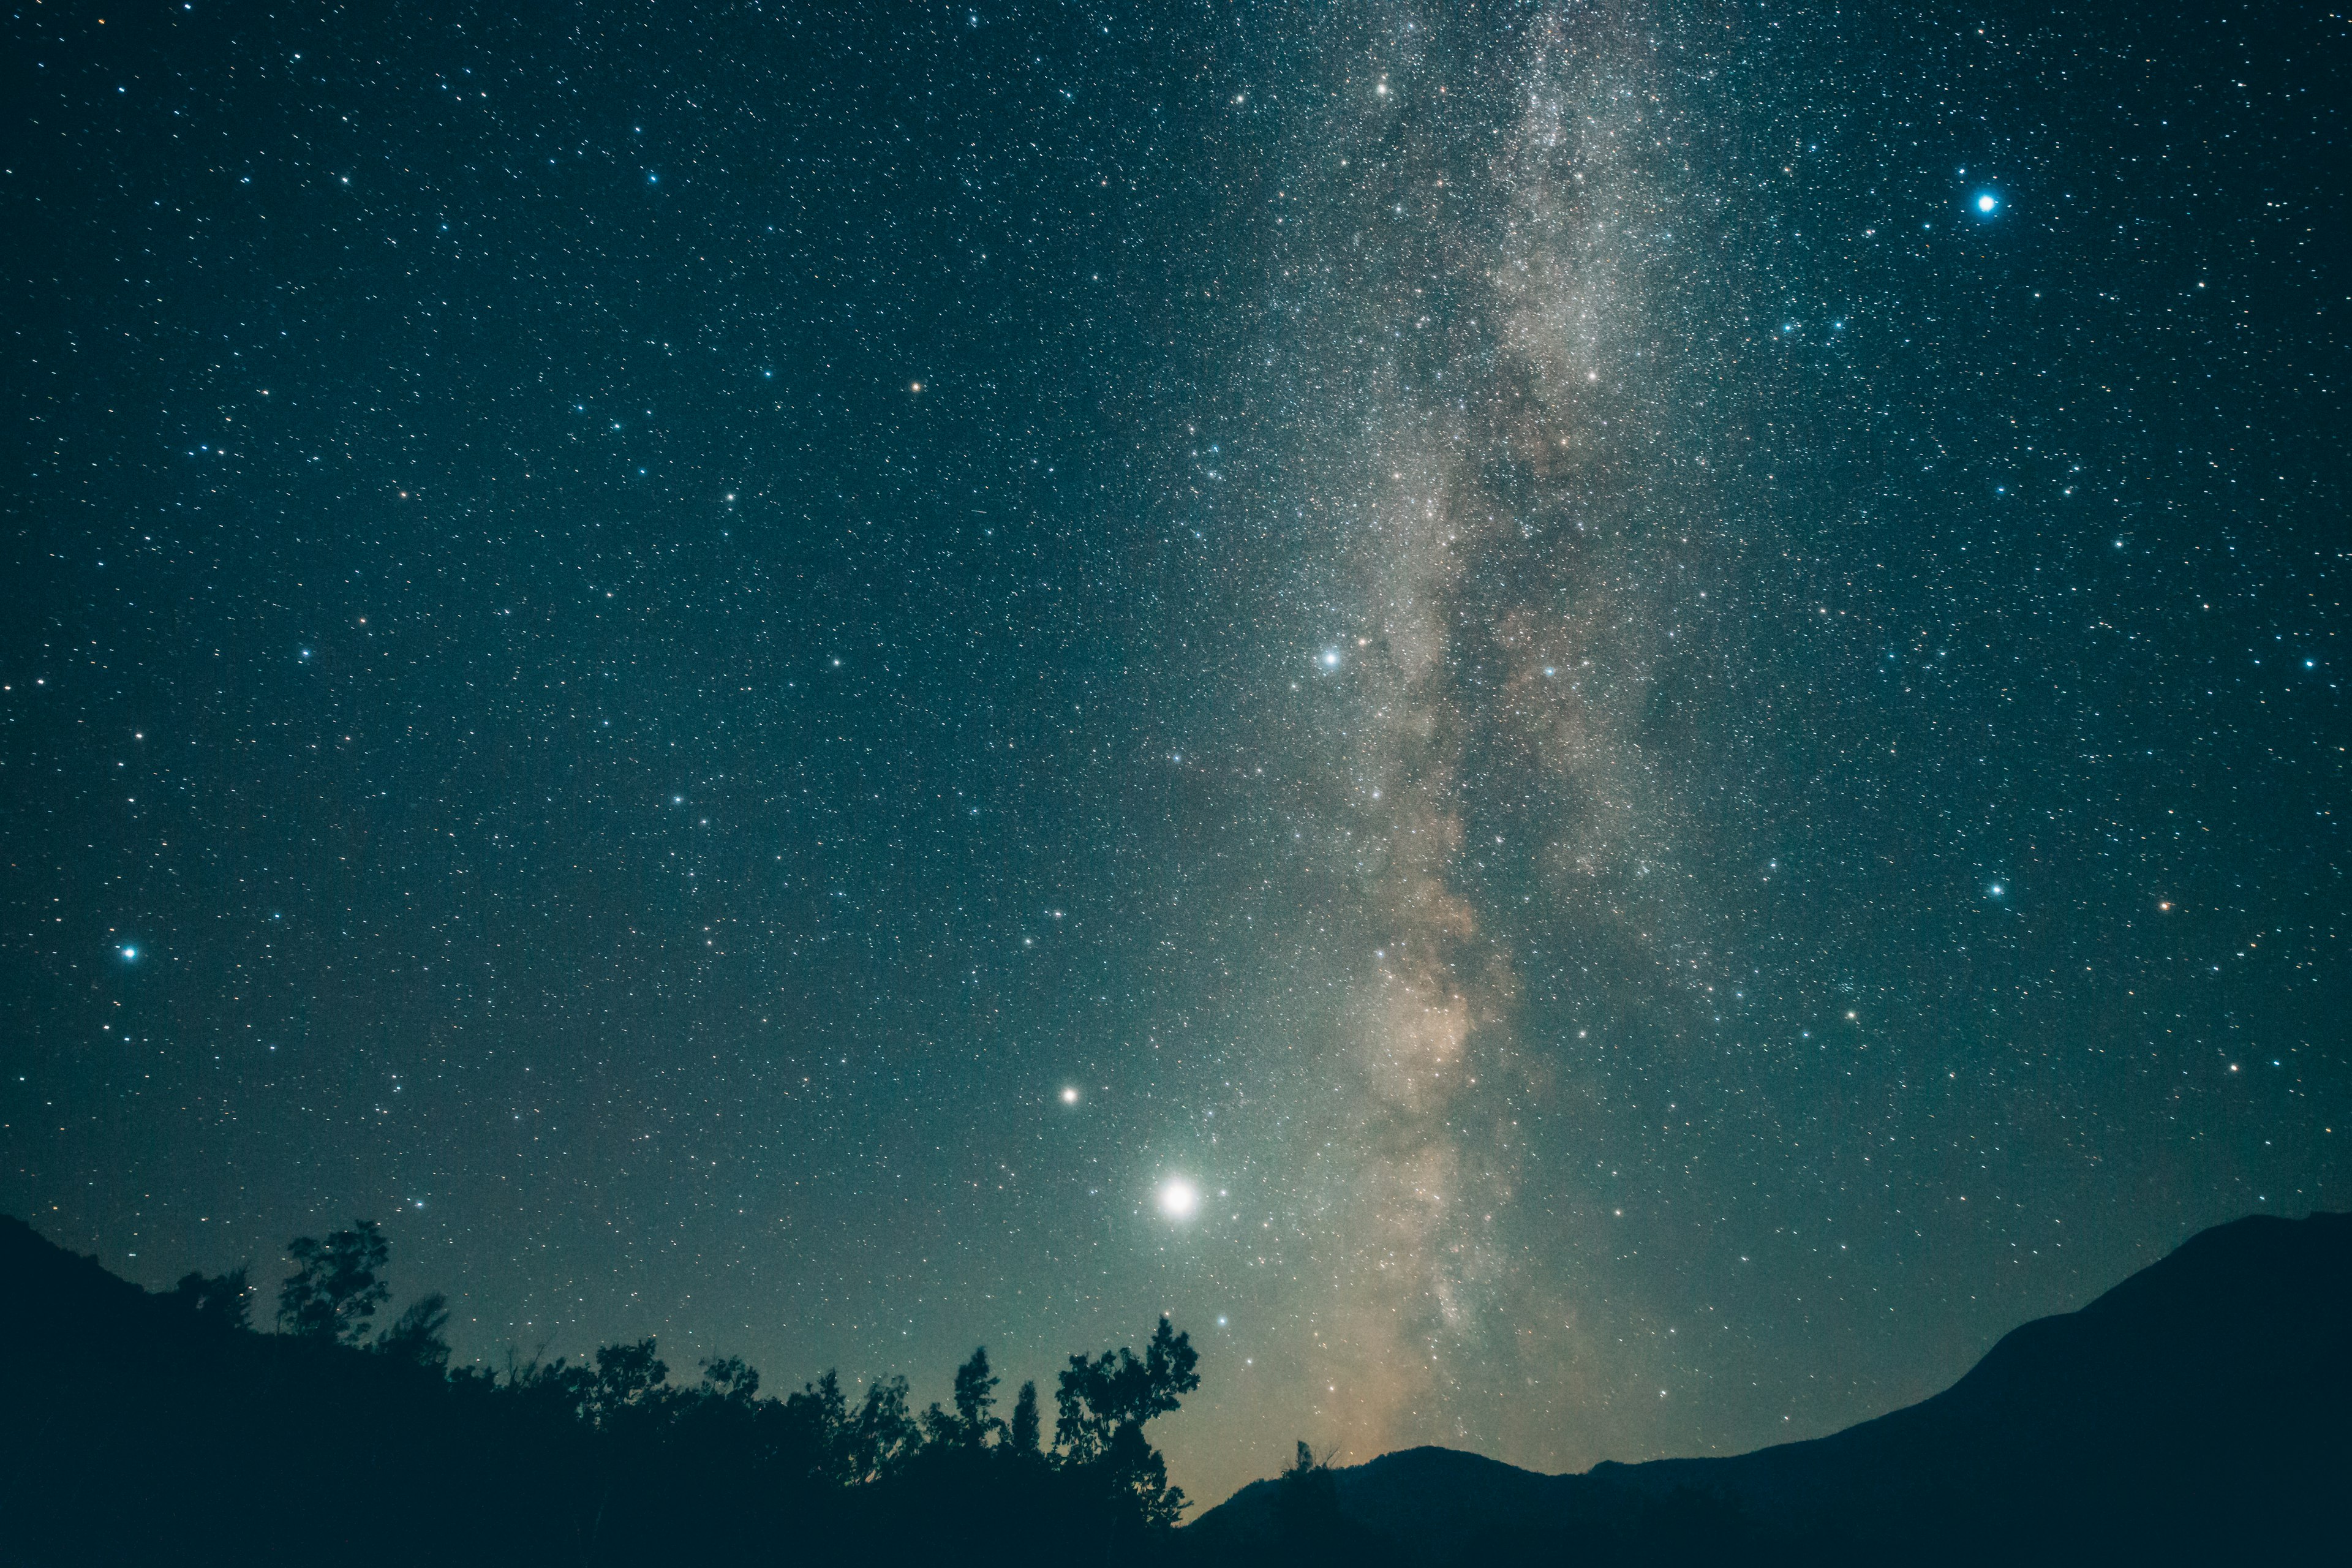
(1598, 728)
(1487, 326)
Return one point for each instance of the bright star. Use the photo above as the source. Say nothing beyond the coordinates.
(1178, 1198)
(1329, 658)
(1069, 1096)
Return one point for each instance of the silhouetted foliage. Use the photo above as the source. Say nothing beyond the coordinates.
(416, 1336)
(819, 1416)
(882, 1433)
(337, 1287)
(725, 1377)
(628, 1383)
(1023, 1435)
(1103, 1403)
(1099, 1395)
(621, 1435)
(975, 1396)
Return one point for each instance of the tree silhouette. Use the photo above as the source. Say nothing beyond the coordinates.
(971, 1424)
(1102, 1405)
(975, 1393)
(1098, 1396)
(628, 1383)
(309, 1432)
(337, 1286)
(415, 1336)
(882, 1433)
(1022, 1436)
(1138, 1474)
(816, 1420)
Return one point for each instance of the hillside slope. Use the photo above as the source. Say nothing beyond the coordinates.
(2197, 1410)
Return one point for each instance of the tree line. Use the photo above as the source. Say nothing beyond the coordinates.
(817, 1443)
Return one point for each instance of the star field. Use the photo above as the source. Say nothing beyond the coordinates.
(1599, 728)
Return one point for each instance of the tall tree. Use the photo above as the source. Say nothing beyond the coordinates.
(1022, 1436)
(1103, 1404)
(975, 1392)
(882, 1433)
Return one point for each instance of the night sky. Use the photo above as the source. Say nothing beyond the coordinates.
(1599, 728)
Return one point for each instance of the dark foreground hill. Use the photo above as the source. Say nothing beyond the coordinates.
(2201, 1410)
(159, 1428)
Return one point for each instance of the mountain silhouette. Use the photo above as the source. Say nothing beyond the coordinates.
(2198, 1411)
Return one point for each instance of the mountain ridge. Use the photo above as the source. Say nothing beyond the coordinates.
(2218, 1367)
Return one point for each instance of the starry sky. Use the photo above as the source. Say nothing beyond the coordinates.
(1599, 728)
